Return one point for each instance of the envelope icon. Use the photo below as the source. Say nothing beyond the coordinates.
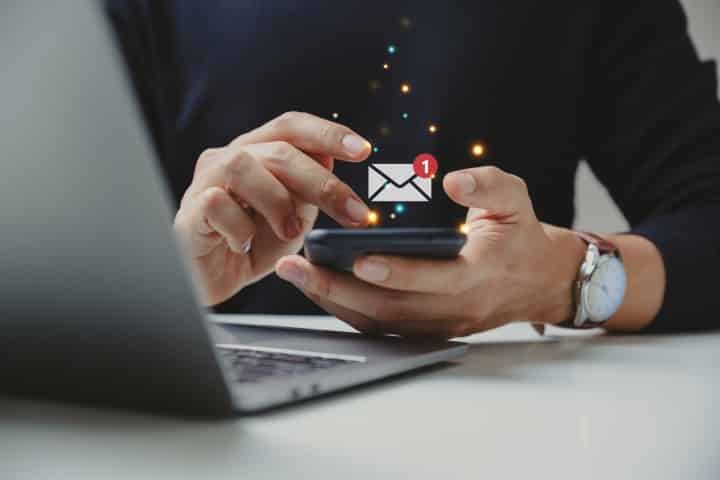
(397, 182)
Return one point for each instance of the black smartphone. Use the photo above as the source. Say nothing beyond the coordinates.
(338, 248)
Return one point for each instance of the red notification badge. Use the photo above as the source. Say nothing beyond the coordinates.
(425, 165)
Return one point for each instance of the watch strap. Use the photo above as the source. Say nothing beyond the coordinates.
(605, 246)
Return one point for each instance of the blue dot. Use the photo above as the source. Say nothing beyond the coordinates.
(376, 149)
(405, 116)
(391, 49)
(399, 208)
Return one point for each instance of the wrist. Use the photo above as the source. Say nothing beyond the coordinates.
(566, 254)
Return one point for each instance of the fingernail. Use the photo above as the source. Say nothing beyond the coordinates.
(372, 270)
(354, 145)
(466, 182)
(292, 273)
(356, 210)
(293, 227)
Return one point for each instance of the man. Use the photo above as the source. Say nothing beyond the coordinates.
(539, 85)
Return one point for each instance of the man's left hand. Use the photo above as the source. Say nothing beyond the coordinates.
(512, 268)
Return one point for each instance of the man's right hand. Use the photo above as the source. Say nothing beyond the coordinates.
(251, 202)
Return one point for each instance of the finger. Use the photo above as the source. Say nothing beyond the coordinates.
(336, 287)
(230, 220)
(250, 182)
(404, 313)
(312, 183)
(311, 134)
(210, 219)
(415, 274)
(493, 192)
(358, 321)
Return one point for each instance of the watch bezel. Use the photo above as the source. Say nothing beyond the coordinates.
(585, 289)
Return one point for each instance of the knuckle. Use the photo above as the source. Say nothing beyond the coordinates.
(519, 183)
(491, 176)
(280, 153)
(321, 287)
(206, 158)
(213, 199)
(330, 133)
(238, 162)
(326, 130)
(330, 190)
(286, 121)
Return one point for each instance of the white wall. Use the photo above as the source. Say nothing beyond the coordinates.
(595, 209)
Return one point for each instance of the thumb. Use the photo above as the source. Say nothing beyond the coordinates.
(490, 192)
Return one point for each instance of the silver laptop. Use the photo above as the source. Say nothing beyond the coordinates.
(95, 302)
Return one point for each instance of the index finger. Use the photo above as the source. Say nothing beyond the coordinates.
(311, 134)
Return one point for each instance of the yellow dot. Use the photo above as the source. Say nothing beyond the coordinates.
(405, 88)
(432, 128)
(477, 150)
(373, 217)
(386, 66)
(463, 228)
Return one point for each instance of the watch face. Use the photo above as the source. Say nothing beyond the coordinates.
(604, 292)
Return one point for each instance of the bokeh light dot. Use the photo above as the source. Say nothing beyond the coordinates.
(391, 49)
(477, 150)
(405, 88)
(373, 217)
(464, 228)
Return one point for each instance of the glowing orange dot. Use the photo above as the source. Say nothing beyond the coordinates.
(432, 128)
(386, 66)
(464, 228)
(405, 88)
(477, 150)
(373, 217)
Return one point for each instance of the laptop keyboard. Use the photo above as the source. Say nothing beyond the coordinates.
(249, 365)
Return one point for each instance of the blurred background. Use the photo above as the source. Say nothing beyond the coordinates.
(595, 209)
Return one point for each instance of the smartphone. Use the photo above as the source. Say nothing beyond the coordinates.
(338, 248)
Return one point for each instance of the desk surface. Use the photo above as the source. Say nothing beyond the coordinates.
(516, 406)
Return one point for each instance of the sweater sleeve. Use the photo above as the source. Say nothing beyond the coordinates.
(652, 137)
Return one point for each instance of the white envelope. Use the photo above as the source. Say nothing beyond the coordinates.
(397, 182)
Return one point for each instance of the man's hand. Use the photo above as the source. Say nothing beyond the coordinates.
(251, 201)
(511, 268)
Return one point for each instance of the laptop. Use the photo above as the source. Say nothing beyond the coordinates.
(96, 303)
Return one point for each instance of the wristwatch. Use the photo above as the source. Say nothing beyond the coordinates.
(600, 286)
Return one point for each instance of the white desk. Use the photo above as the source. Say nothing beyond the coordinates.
(517, 406)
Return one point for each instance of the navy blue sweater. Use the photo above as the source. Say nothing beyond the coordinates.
(540, 84)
